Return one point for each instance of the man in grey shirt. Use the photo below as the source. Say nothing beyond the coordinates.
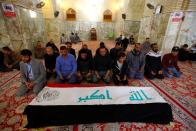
(136, 62)
(33, 75)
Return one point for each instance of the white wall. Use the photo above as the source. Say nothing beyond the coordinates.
(179, 33)
(87, 10)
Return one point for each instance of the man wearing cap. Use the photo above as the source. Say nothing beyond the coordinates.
(169, 63)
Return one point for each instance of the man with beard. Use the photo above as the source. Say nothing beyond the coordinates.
(50, 62)
(114, 52)
(39, 51)
(89, 52)
(11, 58)
(153, 68)
(54, 47)
(102, 66)
(85, 66)
(33, 75)
(66, 67)
(101, 44)
(70, 49)
(131, 40)
(136, 62)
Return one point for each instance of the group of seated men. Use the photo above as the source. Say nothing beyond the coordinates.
(106, 65)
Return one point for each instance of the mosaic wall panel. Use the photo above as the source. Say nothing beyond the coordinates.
(54, 28)
(21, 31)
(145, 28)
(187, 33)
(180, 33)
(154, 27)
(4, 36)
(128, 27)
(83, 29)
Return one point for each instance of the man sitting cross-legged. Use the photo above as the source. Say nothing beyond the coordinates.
(170, 63)
(102, 65)
(85, 66)
(89, 52)
(153, 68)
(66, 67)
(33, 75)
(136, 62)
(50, 62)
(11, 58)
(114, 52)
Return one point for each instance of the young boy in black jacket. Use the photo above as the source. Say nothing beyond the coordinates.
(119, 70)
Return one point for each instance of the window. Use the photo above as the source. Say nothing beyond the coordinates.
(107, 16)
(71, 14)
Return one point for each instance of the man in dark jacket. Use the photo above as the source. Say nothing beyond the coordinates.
(52, 44)
(89, 52)
(85, 66)
(102, 44)
(170, 65)
(119, 70)
(70, 49)
(183, 54)
(131, 40)
(3, 67)
(153, 68)
(124, 42)
(115, 51)
(102, 66)
(50, 62)
(11, 58)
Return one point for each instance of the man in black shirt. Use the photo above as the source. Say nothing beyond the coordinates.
(3, 67)
(115, 51)
(70, 49)
(85, 66)
(102, 44)
(89, 52)
(183, 54)
(50, 62)
(131, 40)
(54, 47)
(192, 54)
(124, 42)
(153, 68)
(102, 65)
